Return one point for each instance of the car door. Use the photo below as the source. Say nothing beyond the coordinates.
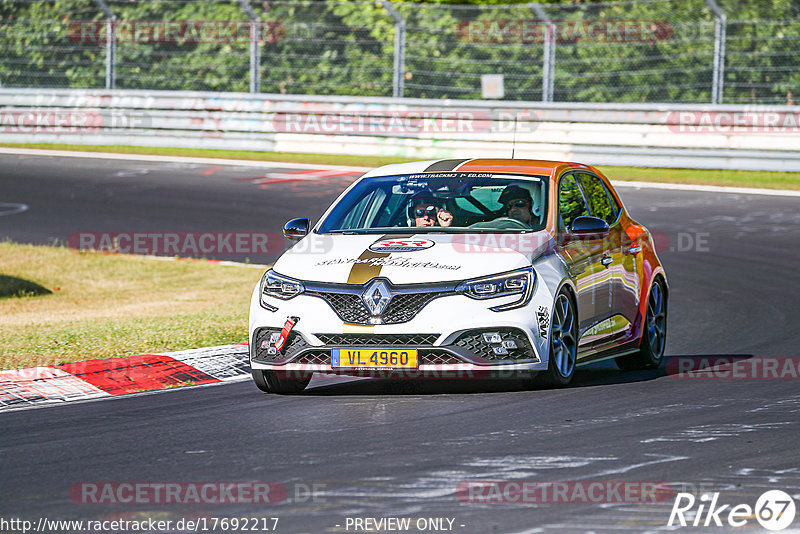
(583, 256)
(622, 286)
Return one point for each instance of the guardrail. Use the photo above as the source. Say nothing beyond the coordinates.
(650, 135)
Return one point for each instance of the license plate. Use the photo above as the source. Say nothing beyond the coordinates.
(374, 358)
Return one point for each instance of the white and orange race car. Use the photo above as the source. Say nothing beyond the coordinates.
(462, 267)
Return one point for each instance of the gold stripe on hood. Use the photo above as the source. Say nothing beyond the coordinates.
(361, 273)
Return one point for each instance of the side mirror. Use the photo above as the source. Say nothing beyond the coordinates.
(589, 226)
(295, 229)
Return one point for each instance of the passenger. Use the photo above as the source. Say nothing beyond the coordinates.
(517, 203)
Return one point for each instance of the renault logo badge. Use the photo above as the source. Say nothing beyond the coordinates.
(376, 296)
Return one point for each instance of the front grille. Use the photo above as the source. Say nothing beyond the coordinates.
(473, 341)
(402, 308)
(438, 357)
(348, 306)
(378, 340)
(314, 357)
(294, 343)
(405, 306)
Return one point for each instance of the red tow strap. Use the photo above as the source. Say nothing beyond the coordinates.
(287, 327)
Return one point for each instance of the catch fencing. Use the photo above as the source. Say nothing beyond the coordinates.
(643, 51)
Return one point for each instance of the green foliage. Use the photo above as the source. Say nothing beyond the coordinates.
(347, 47)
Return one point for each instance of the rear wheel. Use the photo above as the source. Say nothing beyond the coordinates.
(654, 337)
(563, 343)
(280, 383)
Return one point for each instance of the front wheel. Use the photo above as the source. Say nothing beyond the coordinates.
(563, 343)
(654, 337)
(280, 383)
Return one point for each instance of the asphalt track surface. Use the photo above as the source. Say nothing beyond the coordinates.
(377, 448)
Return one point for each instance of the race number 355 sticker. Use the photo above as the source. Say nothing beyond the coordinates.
(400, 245)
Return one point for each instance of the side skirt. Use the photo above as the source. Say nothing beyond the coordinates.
(607, 357)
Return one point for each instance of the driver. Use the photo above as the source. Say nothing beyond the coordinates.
(517, 203)
(426, 210)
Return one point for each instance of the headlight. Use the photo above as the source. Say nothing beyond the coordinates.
(502, 285)
(279, 286)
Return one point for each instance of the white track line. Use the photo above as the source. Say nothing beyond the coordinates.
(267, 164)
(204, 260)
(174, 159)
(7, 208)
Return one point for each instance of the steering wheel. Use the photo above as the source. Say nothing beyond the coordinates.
(501, 223)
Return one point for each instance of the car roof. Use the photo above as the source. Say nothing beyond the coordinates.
(521, 166)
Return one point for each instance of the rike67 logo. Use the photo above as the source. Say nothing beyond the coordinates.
(774, 510)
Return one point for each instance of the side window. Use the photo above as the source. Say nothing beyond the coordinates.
(378, 197)
(486, 195)
(570, 200)
(355, 217)
(392, 211)
(601, 202)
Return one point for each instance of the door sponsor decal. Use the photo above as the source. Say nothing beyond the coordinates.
(543, 316)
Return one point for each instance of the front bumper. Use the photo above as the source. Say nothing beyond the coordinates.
(447, 332)
(507, 349)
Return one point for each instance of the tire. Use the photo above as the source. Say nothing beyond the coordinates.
(654, 334)
(272, 382)
(563, 343)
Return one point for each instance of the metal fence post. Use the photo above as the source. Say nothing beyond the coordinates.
(111, 43)
(549, 60)
(720, 29)
(255, 51)
(398, 78)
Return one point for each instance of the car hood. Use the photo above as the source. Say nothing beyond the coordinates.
(407, 259)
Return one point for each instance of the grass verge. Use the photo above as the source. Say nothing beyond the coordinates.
(759, 179)
(321, 159)
(95, 305)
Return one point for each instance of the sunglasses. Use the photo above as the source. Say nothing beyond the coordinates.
(517, 203)
(430, 211)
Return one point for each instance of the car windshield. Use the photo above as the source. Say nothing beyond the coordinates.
(460, 202)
